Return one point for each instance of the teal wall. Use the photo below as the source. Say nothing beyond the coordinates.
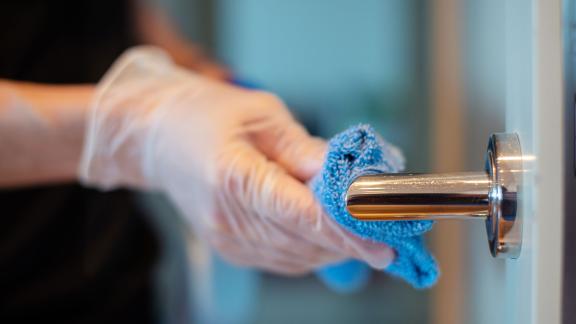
(336, 62)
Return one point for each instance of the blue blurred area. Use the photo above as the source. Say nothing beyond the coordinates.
(347, 277)
(227, 294)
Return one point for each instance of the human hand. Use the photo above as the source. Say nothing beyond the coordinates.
(234, 161)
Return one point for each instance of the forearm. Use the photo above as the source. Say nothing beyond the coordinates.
(155, 28)
(41, 132)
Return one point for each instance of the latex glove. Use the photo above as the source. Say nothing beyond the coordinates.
(234, 162)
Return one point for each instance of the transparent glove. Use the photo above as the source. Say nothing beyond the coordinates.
(234, 162)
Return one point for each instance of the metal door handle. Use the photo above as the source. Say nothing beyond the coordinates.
(491, 195)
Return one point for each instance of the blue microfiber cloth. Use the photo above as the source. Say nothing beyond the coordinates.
(360, 151)
(345, 277)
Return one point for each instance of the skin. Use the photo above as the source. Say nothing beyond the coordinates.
(42, 125)
(41, 132)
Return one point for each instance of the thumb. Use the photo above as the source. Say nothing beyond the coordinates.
(289, 145)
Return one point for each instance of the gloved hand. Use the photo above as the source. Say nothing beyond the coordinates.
(234, 162)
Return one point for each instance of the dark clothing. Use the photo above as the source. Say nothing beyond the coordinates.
(70, 254)
(62, 41)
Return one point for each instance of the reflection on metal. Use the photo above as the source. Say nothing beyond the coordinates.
(419, 196)
(491, 195)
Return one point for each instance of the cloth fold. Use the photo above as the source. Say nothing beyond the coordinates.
(359, 151)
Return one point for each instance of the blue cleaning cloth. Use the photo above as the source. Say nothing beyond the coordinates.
(245, 83)
(360, 151)
(346, 277)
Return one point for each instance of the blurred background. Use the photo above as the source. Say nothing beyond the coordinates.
(407, 67)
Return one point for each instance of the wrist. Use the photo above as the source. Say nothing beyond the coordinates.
(128, 105)
(42, 128)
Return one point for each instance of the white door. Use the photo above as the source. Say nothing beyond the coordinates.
(526, 91)
(533, 283)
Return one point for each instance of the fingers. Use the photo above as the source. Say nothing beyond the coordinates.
(295, 207)
(299, 153)
(283, 140)
(258, 204)
(288, 202)
(282, 261)
(377, 255)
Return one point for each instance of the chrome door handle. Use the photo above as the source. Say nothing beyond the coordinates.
(491, 195)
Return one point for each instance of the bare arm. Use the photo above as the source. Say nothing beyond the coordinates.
(41, 132)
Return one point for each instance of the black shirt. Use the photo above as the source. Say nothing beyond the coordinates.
(69, 253)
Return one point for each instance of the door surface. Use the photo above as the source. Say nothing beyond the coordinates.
(528, 289)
